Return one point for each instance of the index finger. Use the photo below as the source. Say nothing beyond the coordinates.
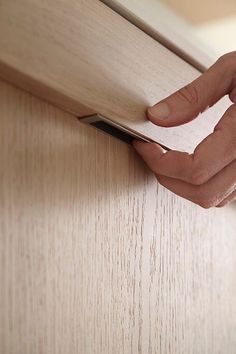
(213, 154)
(185, 104)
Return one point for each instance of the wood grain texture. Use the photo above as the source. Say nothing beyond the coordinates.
(165, 26)
(95, 257)
(86, 54)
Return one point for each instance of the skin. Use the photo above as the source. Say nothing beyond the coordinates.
(208, 176)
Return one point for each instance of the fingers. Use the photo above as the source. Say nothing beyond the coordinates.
(227, 200)
(232, 95)
(211, 155)
(208, 176)
(185, 104)
(210, 194)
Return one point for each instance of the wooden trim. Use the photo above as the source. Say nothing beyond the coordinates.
(87, 59)
(156, 20)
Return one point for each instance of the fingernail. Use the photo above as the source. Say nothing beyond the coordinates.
(160, 110)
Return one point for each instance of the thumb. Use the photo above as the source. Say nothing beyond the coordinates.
(185, 104)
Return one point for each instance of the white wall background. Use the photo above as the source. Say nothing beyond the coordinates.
(219, 35)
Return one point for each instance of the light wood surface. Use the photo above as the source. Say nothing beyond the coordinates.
(166, 25)
(86, 58)
(95, 257)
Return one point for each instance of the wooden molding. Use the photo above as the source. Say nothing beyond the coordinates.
(162, 24)
(87, 59)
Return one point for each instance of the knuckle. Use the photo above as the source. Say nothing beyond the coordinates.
(198, 178)
(198, 174)
(206, 203)
(227, 57)
(204, 199)
(227, 128)
(232, 95)
(228, 63)
(189, 94)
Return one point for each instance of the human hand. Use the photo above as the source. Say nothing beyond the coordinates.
(208, 176)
